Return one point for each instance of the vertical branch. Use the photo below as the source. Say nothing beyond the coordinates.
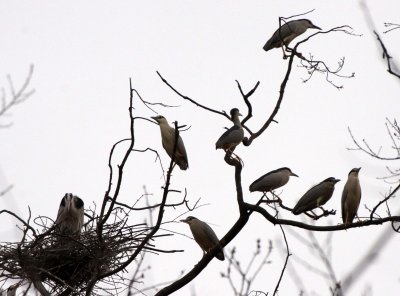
(103, 217)
(286, 260)
(231, 234)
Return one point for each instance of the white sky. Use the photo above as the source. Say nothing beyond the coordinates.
(85, 52)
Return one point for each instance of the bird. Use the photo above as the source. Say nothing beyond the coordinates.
(204, 236)
(168, 142)
(233, 136)
(70, 215)
(272, 180)
(316, 196)
(351, 196)
(287, 32)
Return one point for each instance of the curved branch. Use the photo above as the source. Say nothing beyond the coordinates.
(306, 226)
(286, 260)
(383, 201)
(191, 100)
(248, 141)
(21, 220)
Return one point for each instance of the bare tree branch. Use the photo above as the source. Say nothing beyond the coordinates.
(17, 96)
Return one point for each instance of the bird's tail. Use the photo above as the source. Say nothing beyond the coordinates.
(220, 255)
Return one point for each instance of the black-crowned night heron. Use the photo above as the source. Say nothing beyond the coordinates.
(168, 142)
(272, 180)
(233, 136)
(351, 196)
(316, 196)
(287, 32)
(70, 215)
(204, 236)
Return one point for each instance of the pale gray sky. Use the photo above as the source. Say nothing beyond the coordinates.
(85, 52)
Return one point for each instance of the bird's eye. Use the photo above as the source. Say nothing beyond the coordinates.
(79, 202)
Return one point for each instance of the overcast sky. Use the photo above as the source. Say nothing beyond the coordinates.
(84, 54)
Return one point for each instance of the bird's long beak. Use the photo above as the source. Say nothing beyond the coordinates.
(294, 175)
(68, 205)
(184, 221)
(358, 169)
(155, 119)
(337, 180)
(240, 114)
(316, 27)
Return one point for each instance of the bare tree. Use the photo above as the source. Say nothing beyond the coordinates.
(94, 263)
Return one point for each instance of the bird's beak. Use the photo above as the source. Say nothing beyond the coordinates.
(240, 114)
(337, 180)
(294, 175)
(316, 27)
(68, 206)
(358, 170)
(155, 118)
(184, 221)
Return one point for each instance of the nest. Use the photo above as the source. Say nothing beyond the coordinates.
(66, 264)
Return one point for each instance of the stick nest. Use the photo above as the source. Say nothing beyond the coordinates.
(66, 264)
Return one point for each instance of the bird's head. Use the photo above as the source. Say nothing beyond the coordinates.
(310, 25)
(159, 119)
(288, 171)
(331, 180)
(189, 220)
(235, 112)
(71, 203)
(354, 172)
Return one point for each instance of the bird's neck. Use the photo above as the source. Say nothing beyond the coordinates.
(236, 121)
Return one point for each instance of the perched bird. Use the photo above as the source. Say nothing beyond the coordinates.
(233, 136)
(204, 236)
(351, 196)
(70, 215)
(316, 196)
(287, 32)
(168, 142)
(272, 180)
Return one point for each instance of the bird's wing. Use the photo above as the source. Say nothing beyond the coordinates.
(60, 215)
(210, 233)
(269, 181)
(279, 36)
(309, 200)
(233, 135)
(344, 197)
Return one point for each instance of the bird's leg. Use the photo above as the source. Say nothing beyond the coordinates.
(265, 195)
(284, 54)
(278, 199)
(314, 216)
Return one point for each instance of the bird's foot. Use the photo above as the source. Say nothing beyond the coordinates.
(326, 213)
